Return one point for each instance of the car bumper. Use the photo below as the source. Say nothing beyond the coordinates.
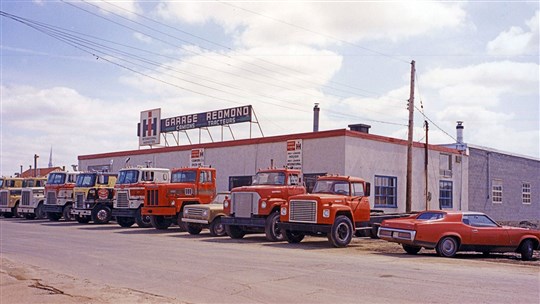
(305, 227)
(195, 221)
(396, 234)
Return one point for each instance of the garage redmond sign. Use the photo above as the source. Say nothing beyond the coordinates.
(294, 154)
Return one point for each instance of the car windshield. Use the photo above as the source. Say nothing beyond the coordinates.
(56, 179)
(428, 216)
(86, 180)
(332, 187)
(269, 178)
(184, 177)
(128, 177)
(220, 197)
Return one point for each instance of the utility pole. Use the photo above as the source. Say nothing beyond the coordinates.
(426, 157)
(408, 198)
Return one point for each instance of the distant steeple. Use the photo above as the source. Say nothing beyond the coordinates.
(50, 159)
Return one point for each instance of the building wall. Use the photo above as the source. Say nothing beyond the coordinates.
(485, 167)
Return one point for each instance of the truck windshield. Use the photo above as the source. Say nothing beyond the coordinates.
(331, 187)
(56, 179)
(184, 177)
(1, 183)
(269, 178)
(86, 180)
(128, 177)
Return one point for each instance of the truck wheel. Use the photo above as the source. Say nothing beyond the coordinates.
(125, 222)
(39, 211)
(411, 249)
(101, 214)
(235, 232)
(29, 216)
(82, 219)
(53, 216)
(67, 213)
(8, 214)
(447, 247)
(193, 229)
(181, 224)
(342, 232)
(15, 211)
(160, 222)
(526, 250)
(273, 233)
(293, 237)
(143, 221)
(216, 228)
(374, 231)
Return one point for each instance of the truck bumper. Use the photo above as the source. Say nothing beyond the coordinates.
(124, 212)
(304, 227)
(165, 211)
(243, 221)
(5, 209)
(25, 210)
(81, 212)
(53, 208)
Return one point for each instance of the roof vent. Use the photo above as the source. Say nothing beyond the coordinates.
(360, 128)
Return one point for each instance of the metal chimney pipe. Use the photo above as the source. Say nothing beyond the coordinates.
(459, 132)
(316, 111)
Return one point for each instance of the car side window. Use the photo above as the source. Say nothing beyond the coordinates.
(481, 221)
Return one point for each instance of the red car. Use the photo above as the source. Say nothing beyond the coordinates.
(451, 231)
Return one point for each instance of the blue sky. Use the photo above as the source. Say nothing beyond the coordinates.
(476, 61)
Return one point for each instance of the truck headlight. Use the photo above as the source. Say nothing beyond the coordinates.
(205, 213)
(173, 203)
(283, 211)
(263, 204)
(326, 213)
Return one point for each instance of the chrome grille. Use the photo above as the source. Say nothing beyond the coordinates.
(4, 198)
(195, 211)
(51, 198)
(79, 203)
(25, 197)
(242, 204)
(122, 200)
(303, 211)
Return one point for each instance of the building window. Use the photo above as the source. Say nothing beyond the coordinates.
(385, 191)
(526, 193)
(497, 191)
(445, 194)
(445, 165)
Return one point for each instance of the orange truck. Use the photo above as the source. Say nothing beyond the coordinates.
(59, 197)
(337, 208)
(256, 208)
(165, 203)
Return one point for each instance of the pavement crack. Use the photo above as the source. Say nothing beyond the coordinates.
(52, 290)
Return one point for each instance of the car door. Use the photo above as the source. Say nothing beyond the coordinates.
(485, 232)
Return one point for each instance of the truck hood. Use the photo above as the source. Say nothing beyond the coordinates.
(323, 197)
(264, 191)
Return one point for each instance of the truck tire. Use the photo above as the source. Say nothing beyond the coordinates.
(273, 233)
(53, 216)
(374, 231)
(125, 222)
(293, 237)
(82, 219)
(15, 211)
(160, 222)
(143, 221)
(67, 213)
(341, 232)
(29, 216)
(39, 212)
(193, 229)
(101, 214)
(216, 228)
(235, 232)
(181, 224)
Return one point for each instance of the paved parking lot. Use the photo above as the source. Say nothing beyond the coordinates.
(66, 262)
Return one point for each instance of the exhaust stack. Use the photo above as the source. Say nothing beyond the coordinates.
(316, 111)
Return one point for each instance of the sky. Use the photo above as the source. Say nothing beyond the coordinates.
(75, 75)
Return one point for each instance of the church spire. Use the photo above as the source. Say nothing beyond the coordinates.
(50, 159)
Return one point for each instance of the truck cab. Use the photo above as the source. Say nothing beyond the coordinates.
(94, 193)
(129, 194)
(59, 195)
(33, 199)
(164, 203)
(337, 206)
(10, 196)
(255, 208)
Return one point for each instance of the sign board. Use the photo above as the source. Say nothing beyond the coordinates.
(294, 154)
(207, 119)
(150, 127)
(197, 158)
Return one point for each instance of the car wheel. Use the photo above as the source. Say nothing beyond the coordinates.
(160, 222)
(341, 232)
(411, 249)
(125, 222)
(53, 216)
(235, 232)
(293, 237)
(526, 249)
(217, 228)
(273, 233)
(193, 229)
(82, 219)
(101, 214)
(67, 213)
(143, 221)
(447, 247)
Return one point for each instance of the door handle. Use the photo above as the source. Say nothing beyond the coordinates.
(475, 230)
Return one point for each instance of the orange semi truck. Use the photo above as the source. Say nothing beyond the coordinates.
(337, 208)
(164, 203)
(256, 208)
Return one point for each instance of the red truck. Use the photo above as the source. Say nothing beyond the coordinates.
(337, 208)
(164, 203)
(256, 208)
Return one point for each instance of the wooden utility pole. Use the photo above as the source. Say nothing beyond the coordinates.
(426, 157)
(408, 198)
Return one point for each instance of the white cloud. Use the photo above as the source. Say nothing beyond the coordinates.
(142, 37)
(124, 8)
(517, 41)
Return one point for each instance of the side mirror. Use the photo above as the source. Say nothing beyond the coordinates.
(368, 189)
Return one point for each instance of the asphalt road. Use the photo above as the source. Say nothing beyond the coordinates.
(202, 269)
